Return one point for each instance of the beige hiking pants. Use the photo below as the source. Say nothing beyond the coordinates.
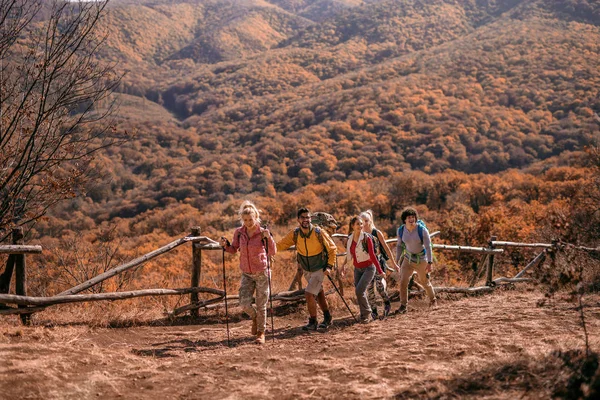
(406, 270)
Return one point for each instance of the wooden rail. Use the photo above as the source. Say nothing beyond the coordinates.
(79, 298)
(27, 304)
(20, 249)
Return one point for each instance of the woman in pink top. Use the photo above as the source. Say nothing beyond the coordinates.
(249, 239)
(361, 252)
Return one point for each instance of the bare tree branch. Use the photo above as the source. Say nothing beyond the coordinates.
(50, 87)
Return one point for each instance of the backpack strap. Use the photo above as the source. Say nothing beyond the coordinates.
(376, 245)
(401, 231)
(320, 237)
(365, 242)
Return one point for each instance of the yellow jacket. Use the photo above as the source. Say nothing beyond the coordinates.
(310, 251)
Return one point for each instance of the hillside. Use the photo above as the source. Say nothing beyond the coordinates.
(482, 88)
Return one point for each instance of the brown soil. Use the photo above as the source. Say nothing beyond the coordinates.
(421, 354)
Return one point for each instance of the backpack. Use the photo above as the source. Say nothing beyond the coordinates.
(377, 245)
(420, 226)
(365, 244)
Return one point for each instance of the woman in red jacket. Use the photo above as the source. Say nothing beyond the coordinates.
(361, 252)
(249, 239)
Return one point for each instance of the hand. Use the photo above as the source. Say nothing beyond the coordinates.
(429, 267)
(265, 234)
(327, 271)
(224, 242)
(382, 274)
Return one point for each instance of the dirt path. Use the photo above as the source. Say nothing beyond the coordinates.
(417, 353)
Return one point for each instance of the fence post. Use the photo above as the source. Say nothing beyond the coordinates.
(20, 273)
(6, 276)
(196, 269)
(490, 271)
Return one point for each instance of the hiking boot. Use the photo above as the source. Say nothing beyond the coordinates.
(387, 308)
(326, 321)
(254, 329)
(402, 309)
(260, 338)
(311, 326)
(374, 313)
(366, 320)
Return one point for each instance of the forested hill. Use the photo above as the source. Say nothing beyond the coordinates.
(482, 113)
(376, 88)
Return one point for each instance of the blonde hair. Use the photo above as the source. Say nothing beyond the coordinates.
(368, 215)
(248, 208)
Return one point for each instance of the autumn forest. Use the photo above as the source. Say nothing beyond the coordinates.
(483, 114)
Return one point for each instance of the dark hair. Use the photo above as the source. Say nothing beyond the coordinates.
(302, 211)
(407, 212)
(352, 221)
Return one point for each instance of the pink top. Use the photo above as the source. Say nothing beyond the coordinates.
(253, 255)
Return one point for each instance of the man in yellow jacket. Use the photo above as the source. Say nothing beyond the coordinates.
(316, 254)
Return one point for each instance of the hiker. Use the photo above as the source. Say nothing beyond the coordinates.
(329, 224)
(383, 252)
(360, 250)
(414, 249)
(316, 253)
(250, 240)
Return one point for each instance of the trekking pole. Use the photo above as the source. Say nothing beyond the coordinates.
(342, 297)
(270, 293)
(225, 290)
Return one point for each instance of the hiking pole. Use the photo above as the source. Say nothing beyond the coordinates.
(225, 290)
(342, 297)
(270, 292)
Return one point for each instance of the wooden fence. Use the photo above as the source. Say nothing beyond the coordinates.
(26, 305)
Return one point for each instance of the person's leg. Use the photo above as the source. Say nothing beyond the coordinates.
(313, 287)
(311, 304)
(381, 285)
(362, 278)
(424, 280)
(322, 300)
(371, 297)
(262, 298)
(406, 270)
(247, 287)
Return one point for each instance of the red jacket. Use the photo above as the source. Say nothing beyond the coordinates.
(253, 256)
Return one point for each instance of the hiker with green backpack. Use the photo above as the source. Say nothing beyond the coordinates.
(316, 254)
(415, 253)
